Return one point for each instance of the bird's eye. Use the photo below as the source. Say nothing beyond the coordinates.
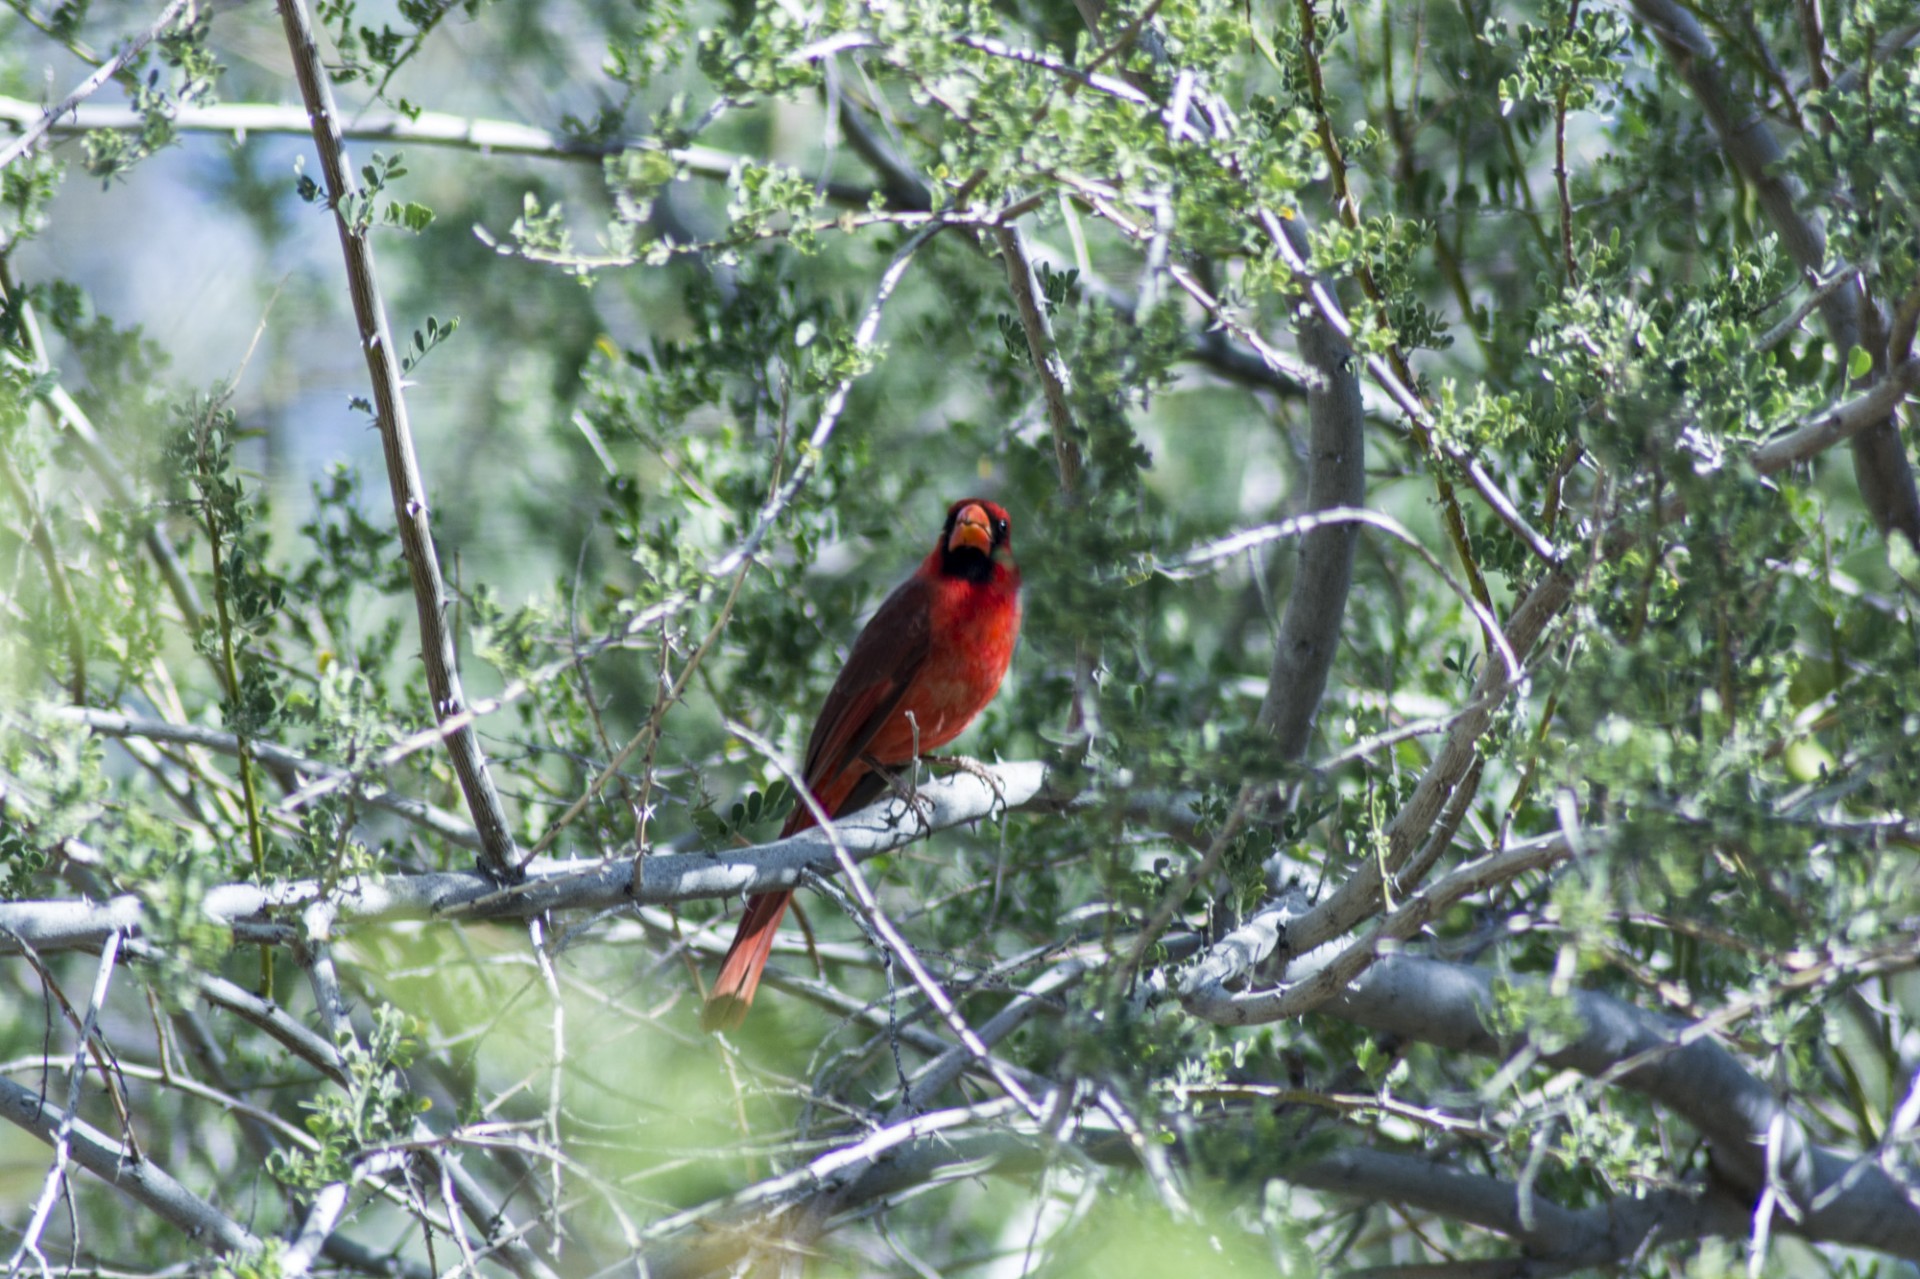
(999, 530)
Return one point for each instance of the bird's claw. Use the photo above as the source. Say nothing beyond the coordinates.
(901, 785)
(970, 765)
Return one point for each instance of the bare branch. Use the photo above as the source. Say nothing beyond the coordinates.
(1556, 1238)
(428, 128)
(1360, 894)
(410, 507)
(913, 1162)
(1336, 477)
(1316, 978)
(268, 1016)
(1052, 370)
(316, 1229)
(140, 1179)
(1843, 422)
(62, 1134)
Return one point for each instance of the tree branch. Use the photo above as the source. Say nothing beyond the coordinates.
(1452, 1005)
(43, 121)
(1315, 978)
(1608, 1234)
(1336, 477)
(591, 885)
(1047, 363)
(403, 467)
(1879, 458)
(1360, 894)
(139, 1178)
(1842, 422)
(429, 128)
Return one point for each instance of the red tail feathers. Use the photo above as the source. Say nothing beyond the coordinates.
(740, 972)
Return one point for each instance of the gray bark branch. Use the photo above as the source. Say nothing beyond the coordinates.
(1316, 606)
(141, 1180)
(1611, 1233)
(584, 885)
(1451, 1006)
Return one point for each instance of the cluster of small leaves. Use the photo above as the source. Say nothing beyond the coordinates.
(26, 188)
(636, 176)
(157, 96)
(425, 340)
(760, 51)
(375, 1106)
(269, 1263)
(770, 197)
(654, 38)
(375, 56)
(22, 857)
(1867, 147)
(541, 233)
(1386, 248)
(1572, 58)
(250, 594)
(359, 209)
(1668, 380)
(746, 814)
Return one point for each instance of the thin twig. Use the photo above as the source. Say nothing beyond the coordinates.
(62, 1133)
(428, 128)
(556, 1069)
(1055, 379)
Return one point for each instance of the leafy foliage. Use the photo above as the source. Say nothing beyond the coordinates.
(654, 310)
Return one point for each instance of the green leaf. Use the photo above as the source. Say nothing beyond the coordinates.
(408, 216)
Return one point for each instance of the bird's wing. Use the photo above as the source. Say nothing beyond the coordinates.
(887, 655)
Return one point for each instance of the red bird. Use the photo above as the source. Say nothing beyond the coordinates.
(929, 661)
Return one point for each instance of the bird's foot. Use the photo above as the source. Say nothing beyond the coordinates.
(968, 764)
(901, 784)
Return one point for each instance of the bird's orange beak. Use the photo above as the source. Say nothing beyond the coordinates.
(972, 528)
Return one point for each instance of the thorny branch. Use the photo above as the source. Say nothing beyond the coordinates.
(410, 506)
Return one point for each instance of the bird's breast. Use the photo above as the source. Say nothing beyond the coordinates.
(974, 635)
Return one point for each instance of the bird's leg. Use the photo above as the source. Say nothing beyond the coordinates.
(900, 783)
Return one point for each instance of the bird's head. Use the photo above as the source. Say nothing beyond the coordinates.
(975, 537)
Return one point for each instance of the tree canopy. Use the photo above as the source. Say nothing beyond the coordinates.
(1454, 809)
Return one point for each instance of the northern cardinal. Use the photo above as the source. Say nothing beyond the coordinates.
(928, 662)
